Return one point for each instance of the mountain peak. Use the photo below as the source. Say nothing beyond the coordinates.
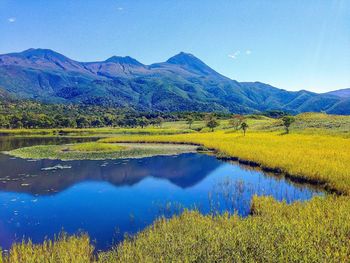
(41, 53)
(183, 58)
(183, 83)
(192, 63)
(124, 60)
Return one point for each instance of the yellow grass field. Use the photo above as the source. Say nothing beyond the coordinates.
(317, 151)
(319, 159)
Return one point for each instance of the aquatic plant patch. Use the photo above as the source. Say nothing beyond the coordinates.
(99, 151)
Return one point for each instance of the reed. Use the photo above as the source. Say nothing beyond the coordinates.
(275, 232)
(62, 249)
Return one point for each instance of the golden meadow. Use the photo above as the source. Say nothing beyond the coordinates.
(322, 159)
(314, 231)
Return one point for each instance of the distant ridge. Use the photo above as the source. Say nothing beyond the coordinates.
(343, 93)
(182, 83)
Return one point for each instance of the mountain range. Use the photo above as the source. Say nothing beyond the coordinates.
(182, 83)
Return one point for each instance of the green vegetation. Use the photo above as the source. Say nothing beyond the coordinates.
(91, 132)
(244, 127)
(99, 151)
(190, 121)
(236, 121)
(276, 232)
(19, 114)
(314, 231)
(212, 122)
(63, 249)
(95, 147)
(316, 150)
(15, 114)
(133, 123)
(312, 123)
(320, 123)
(188, 85)
(287, 121)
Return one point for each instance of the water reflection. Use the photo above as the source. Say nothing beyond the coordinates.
(40, 177)
(110, 198)
(8, 143)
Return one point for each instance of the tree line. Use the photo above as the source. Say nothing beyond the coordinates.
(31, 114)
(32, 120)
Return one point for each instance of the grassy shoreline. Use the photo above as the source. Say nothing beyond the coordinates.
(323, 160)
(313, 231)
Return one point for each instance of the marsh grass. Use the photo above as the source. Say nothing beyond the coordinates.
(275, 232)
(318, 159)
(317, 150)
(95, 147)
(310, 123)
(63, 249)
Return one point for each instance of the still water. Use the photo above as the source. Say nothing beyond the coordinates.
(108, 199)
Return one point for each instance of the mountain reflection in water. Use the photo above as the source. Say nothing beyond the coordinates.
(38, 179)
(107, 199)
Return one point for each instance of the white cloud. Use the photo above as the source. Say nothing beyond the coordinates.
(11, 19)
(248, 52)
(120, 8)
(234, 55)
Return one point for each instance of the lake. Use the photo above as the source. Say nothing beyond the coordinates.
(107, 199)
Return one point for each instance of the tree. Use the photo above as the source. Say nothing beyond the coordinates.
(159, 120)
(212, 122)
(82, 122)
(244, 127)
(59, 120)
(130, 122)
(189, 121)
(236, 121)
(29, 120)
(143, 122)
(287, 121)
(108, 119)
(68, 123)
(4, 122)
(96, 123)
(276, 114)
(16, 121)
(44, 121)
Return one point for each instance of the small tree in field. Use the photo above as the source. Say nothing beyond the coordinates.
(189, 121)
(244, 127)
(236, 121)
(212, 122)
(159, 121)
(287, 121)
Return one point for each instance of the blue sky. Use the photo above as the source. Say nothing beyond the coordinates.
(290, 44)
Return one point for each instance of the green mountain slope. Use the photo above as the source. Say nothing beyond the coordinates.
(182, 83)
